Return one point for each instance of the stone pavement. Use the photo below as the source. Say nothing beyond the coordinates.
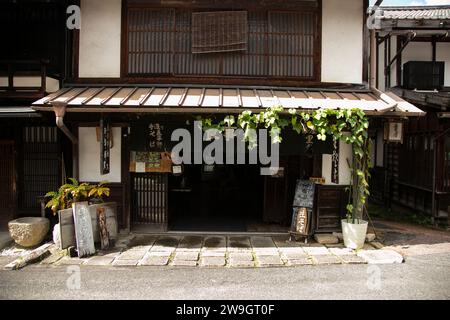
(224, 251)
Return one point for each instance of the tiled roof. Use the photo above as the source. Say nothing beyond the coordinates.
(415, 13)
(217, 99)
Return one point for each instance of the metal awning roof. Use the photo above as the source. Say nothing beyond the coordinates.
(17, 112)
(168, 99)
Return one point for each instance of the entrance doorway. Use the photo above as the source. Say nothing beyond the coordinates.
(216, 198)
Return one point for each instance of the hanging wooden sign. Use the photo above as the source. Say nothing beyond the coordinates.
(105, 146)
(155, 136)
(335, 163)
(83, 229)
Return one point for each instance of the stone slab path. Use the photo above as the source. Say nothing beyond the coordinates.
(226, 251)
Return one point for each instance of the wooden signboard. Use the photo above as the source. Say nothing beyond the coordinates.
(304, 194)
(66, 228)
(303, 208)
(83, 229)
(110, 209)
(105, 146)
(103, 230)
(335, 163)
(150, 162)
(300, 221)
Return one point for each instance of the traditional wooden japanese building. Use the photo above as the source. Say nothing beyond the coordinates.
(33, 62)
(137, 69)
(414, 62)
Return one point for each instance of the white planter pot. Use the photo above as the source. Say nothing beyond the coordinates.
(354, 233)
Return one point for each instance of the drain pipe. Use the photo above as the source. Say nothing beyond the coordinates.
(60, 110)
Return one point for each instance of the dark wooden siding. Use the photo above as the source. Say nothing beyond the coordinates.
(33, 30)
(149, 199)
(7, 180)
(331, 204)
(41, 166)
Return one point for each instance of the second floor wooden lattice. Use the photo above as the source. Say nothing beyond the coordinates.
(262, 44)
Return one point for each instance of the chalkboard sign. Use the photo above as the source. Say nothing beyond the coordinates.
(304, 194)
(83, 229)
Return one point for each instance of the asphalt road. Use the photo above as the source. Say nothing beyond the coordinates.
(420, 277)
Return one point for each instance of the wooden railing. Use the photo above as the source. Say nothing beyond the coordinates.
(11, 68)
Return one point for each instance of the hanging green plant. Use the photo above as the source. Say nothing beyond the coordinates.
(348, 125)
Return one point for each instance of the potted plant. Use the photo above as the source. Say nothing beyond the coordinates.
(72, 192)
(354, 228)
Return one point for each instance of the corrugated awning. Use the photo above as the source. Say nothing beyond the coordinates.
(220, 100)
(18, 112)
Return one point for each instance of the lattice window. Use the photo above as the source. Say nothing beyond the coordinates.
(274, 44)
(41, 168)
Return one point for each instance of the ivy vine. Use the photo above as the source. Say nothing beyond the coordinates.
(322, 123)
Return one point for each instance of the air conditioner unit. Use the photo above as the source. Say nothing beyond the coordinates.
(423, 75)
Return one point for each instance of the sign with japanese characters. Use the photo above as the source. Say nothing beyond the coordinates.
(300, 221)
(105, 146)
(155, 136)
(335, 163)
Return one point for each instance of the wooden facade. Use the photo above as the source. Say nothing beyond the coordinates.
(165, 77)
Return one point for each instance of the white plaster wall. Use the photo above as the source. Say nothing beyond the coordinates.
(345, 152)
(100, 38)
(443, 54)
(89, 156)
(342, 41)
(52, 85)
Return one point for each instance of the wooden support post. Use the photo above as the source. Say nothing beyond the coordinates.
(43, 76)
(433, 46)
(10, 76)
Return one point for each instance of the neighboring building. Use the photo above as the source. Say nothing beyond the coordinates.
(146, 67)
(33, 63)
(414, 62)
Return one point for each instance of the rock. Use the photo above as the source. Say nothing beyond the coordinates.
(326, 238)
(377, 245)
(339, 235)
(370, 237)
(29, 231)
(57, 235)
(381, 256)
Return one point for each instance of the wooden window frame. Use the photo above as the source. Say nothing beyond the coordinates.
(225, 79)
